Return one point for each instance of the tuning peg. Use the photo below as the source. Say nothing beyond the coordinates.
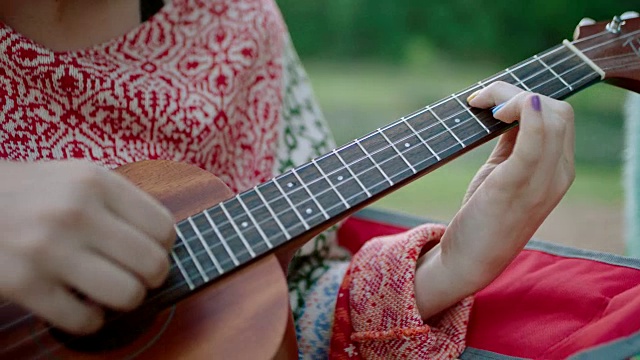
(615, 25)
(629, 15)
(586, 21)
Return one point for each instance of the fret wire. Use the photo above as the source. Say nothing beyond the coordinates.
(482, 85)
(396, 149)
(235, 227)
(577, 82)
(426, 144)
(452, 146)
(206, 246)
(342, 198)
(255, 223)
(187, 279)
(330, 183)
(191, 254)
(517, 79)
(509, 71)
(465, 139)
(445, 126)
(275, 217)
(427, 159)
(423, 141)
(403, 119)
(553, 72)
(176, 260)
(464, 106)
(361, 192)
(295, 210)
(584, 77)
(351, 172)
(573, 69)
(368, 156)
(498, 75)
(222, 240)
(529, 62)
(326, 216)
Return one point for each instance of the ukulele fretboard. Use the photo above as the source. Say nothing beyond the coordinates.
(259, 220)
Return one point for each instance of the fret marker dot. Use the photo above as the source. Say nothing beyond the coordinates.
(309, 211)
(457, 120)
(244, 224)
(340, 178)
(407, 145)
(290, 185)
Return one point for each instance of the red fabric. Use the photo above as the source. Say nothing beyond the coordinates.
(380, 319)
(543, 306)
(200, 82)
(341, 346)
(549, 307)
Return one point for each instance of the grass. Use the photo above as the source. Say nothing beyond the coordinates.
(360, 97)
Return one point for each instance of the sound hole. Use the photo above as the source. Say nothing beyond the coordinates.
(108, 338)
(115, 334)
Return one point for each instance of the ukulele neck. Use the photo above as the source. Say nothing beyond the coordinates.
(315, 195)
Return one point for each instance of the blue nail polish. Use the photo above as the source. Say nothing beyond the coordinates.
(497, 108)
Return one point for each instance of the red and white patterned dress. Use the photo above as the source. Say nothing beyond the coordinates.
(214, 83)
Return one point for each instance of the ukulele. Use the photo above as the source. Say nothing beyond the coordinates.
(226, 295)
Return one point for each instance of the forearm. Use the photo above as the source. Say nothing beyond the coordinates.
(472, 252)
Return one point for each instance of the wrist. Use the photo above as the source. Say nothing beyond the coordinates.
(437, 287)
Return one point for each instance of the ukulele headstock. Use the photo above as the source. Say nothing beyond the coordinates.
(614, 46)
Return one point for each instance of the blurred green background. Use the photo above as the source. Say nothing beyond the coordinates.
(372, 61)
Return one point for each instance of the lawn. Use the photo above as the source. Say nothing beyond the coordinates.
(359, 97)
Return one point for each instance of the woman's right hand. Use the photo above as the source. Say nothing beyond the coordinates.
(71, 227)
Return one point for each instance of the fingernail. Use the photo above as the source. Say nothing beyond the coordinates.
(535, 103)
(470, 97)
(497, 108)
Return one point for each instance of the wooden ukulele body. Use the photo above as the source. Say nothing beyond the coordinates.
(242, 316)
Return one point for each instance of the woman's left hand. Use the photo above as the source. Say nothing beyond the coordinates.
(528, 172)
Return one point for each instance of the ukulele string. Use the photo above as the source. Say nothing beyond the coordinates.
(596, 35)
(618, 57)
(613, 67)
(5, 303)
(481, 85)
(423, 142)
(394, 144)
(599, 45)
(8, 326)
(391, 145)
(245, 251)
(452, 116)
